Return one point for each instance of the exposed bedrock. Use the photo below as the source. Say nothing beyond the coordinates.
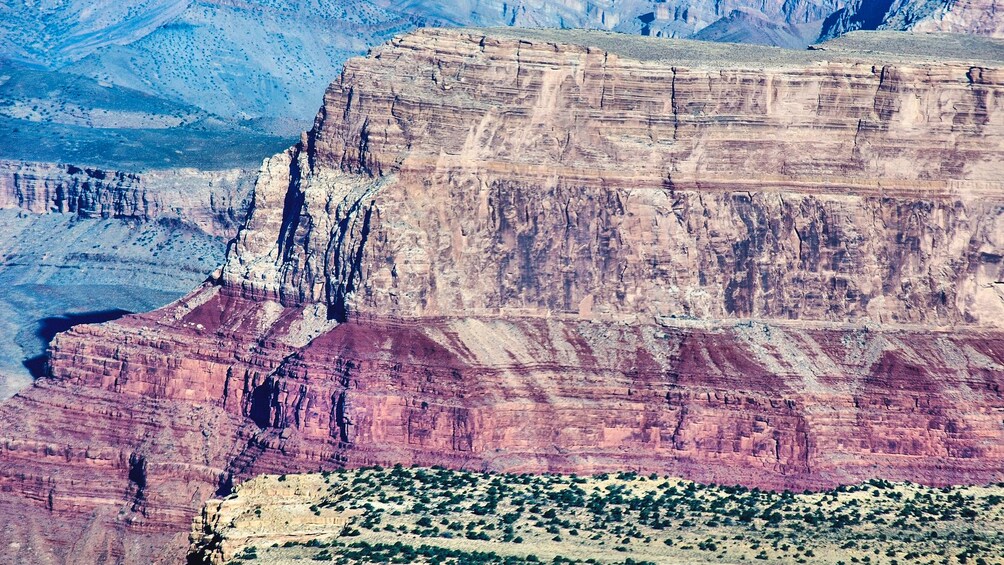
(778, 405)
(980, 17)
(80, 243)
(962, 16)
(771, 268)
(510, 176)
(212, 201)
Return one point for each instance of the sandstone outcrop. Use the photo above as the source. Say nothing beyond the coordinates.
(534, 251)
(581, 182)
(268, 510)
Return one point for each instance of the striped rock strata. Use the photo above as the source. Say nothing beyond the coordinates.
(212, 201)
(564, 252)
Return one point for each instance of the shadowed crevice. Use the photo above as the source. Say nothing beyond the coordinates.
(49, 327)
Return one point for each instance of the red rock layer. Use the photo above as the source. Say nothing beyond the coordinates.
(147, 417)
(494, 253)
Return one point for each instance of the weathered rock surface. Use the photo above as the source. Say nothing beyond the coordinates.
(58, 270)
(580, 181)
(212, 201)
(268, 510)
(81, 244)
(980, 17)
(983, 17)
(766, 267)
(750, 26)
(280, 54)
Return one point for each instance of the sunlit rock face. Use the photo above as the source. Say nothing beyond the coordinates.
(544, 251)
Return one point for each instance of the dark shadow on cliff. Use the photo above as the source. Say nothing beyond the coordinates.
(49, 327)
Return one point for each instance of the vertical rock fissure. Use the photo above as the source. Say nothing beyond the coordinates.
(292, 208)
(137, 479)
(346, 256)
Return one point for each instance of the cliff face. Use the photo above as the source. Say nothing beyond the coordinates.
(83, 243)
(672, 18)
(579, 182)
(212, 201)
(524, 254)
(980, 17)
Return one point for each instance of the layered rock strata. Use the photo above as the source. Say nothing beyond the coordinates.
(980, 17)
(564, 252)
(579, 181)
(86, 242)
(212, 201)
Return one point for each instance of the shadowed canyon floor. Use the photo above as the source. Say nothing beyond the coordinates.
(552, 253)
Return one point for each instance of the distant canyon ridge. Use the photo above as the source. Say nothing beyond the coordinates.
(269, 60)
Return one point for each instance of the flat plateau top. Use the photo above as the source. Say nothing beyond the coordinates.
(878, 47)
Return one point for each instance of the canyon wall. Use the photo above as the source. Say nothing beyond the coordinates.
(212, 201)
(79, 243)
(964, 16)
(979, 17)
(574, 181)
(556, 251)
